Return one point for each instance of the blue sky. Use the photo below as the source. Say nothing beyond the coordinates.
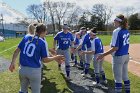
(21, 5)
(118, 6)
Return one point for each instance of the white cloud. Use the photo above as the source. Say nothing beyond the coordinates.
(118, 6)
(9, 14)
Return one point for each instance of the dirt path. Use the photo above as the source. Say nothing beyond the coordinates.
(134, 64)
(80, 84)
(84, 85)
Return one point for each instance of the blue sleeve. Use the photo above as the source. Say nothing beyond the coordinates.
(56, 37)
(21, 44)
(77, 41)
(83, 47)
(85, 40)
(83, 44)
(72, 39)
(43, 51)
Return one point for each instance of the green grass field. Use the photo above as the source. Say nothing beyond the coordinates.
(106, 39)
(55, 83)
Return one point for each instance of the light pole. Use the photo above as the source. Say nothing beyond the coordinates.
(2, 24)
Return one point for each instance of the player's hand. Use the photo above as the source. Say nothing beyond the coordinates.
(82, 53)
(60, 59)
(52, 51)
(72, 50)
(100, 57)
(12, 66)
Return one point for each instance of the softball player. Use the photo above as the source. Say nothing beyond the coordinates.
(119, 50)
(31, 32)
(74, 36)
(86, 46)
(96, 50)
(82, 57)
(64, 39)
(32, 51)
(77, 41)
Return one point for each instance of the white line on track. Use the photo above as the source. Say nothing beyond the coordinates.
(135, 62)
(8, 49)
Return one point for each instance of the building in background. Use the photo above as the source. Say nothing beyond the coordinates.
(10, 25)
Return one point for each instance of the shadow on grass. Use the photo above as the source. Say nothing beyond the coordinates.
(75, 88)
(48, 87)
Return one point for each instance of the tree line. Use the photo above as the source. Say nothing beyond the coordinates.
(54, 14)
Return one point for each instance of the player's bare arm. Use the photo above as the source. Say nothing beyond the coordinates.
(12, 65)
(113, 49)
(54, 44)
(88, 52)
(57, 57)
(80, 46)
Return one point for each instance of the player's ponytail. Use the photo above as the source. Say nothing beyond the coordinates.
(31, 28)
(40, 28)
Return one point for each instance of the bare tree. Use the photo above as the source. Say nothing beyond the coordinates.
(50, 7)
(103, 12)
(24, 22)
(38, 12)
(73, 16)
(61, 9)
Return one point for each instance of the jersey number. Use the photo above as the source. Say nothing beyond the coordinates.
(29, 49)
(65, 42)
(126, 39)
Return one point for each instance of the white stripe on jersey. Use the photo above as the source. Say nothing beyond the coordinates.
(82, 39)
(30, 35)
(46, 43)
(92, 45)
(114, 36)
(88, 31)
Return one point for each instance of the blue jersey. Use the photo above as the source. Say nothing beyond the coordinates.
(97, 46)
(33, 49)
(86, 42)
(64, 40)
(77, 42)
(73, 35)
(120, 39)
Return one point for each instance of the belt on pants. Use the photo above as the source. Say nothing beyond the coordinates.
(62, 49)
